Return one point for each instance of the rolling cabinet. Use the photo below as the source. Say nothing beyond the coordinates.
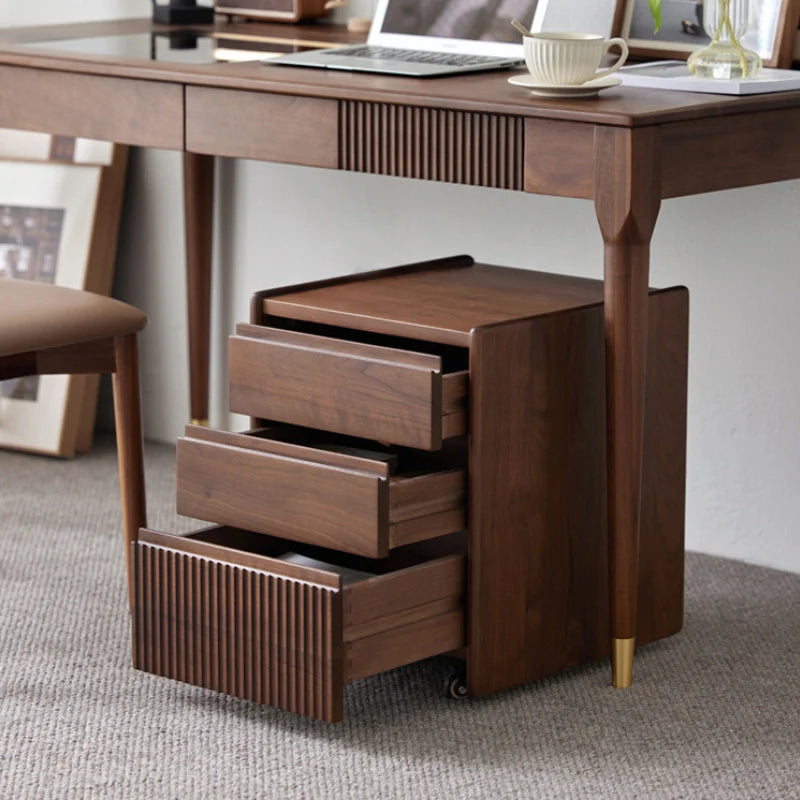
(425, 474)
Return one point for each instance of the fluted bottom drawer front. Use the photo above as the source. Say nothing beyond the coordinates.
(262, 619)
(389, 394)
(315, 487)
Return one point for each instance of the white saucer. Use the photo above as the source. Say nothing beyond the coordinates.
(588, 89)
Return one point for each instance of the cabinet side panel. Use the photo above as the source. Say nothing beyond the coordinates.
(661, 545)
(537, 540)
(538, 561)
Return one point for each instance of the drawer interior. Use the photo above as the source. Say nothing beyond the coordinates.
(352, 568)
(290, 624)
(427, 490)
(396, 462)
(454, 359)
(395, 610)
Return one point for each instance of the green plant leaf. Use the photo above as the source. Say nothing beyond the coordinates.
(655, 10)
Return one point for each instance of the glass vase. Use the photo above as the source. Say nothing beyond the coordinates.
(725, 22)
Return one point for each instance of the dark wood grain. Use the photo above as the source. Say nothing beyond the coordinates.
(295, 130)
(785, 35)
(482, 93)
(278, 441)
(259, 304)
(236, 547)
(383, 597)
(627, 201)
(310, 499)
(661, 544)
(198, 205)
(559, 158)
(214, 625)
(272, 494)
(646, 144)
(707, 155)
(99, 278)
(440, 305)
(96, 106)
(358, 389)
(431, 144)
(130, 446)
(538, 579)
(75, 359)
(280, 633)
(403, 645)
(697, 156)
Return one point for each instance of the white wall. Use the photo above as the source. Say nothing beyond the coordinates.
(735, 250)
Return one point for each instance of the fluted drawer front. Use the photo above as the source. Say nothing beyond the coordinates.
(268, 620)
(435, 144)
(241, 631)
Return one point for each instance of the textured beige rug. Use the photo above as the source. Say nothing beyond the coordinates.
(714, 713)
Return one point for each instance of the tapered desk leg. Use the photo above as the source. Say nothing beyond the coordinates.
(130, 456)
(198, 201)
(627, 201)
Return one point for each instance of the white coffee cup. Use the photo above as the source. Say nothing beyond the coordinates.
(569, 59)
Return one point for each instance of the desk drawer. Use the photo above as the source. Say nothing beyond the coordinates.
(270, 127)
(375, 392)
(313, 487)
(123, 110)
(270, 621)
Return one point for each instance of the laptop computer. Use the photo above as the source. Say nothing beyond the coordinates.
(432, 37)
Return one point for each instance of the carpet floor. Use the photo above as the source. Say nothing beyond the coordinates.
(714, 712)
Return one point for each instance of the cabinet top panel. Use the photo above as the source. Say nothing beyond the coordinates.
(441, 301)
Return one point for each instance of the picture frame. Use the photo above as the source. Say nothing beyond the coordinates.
(590, 16)
(772, 30)
(60, 207)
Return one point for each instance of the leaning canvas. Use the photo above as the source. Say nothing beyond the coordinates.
(60, 202)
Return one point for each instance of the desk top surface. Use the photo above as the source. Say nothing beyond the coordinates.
(484, 92)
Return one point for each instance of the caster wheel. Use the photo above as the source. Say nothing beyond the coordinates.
(455, 687)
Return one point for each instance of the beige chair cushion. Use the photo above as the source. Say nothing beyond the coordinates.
(37, 316)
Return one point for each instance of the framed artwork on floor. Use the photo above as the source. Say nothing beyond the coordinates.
(60, 205)
(771, 30)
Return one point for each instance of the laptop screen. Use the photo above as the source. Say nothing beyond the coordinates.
(482, 27)
(476, 20)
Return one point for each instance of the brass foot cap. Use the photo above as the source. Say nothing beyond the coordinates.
(622, 662)
(203, 422)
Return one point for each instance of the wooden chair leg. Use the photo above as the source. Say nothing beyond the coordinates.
(130, 455)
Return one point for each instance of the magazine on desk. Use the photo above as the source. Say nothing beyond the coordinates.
(675, 76)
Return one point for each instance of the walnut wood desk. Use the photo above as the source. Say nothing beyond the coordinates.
(625, 151)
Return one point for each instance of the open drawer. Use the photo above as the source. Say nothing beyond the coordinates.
(320, 488)
(374, 391)
(285, 624)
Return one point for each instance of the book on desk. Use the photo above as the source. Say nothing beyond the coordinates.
(675, 76)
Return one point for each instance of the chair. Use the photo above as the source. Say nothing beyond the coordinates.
(48, 329)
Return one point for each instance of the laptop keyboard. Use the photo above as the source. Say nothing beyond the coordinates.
(415, 56)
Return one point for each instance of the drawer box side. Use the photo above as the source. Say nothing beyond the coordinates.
(404, 645)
